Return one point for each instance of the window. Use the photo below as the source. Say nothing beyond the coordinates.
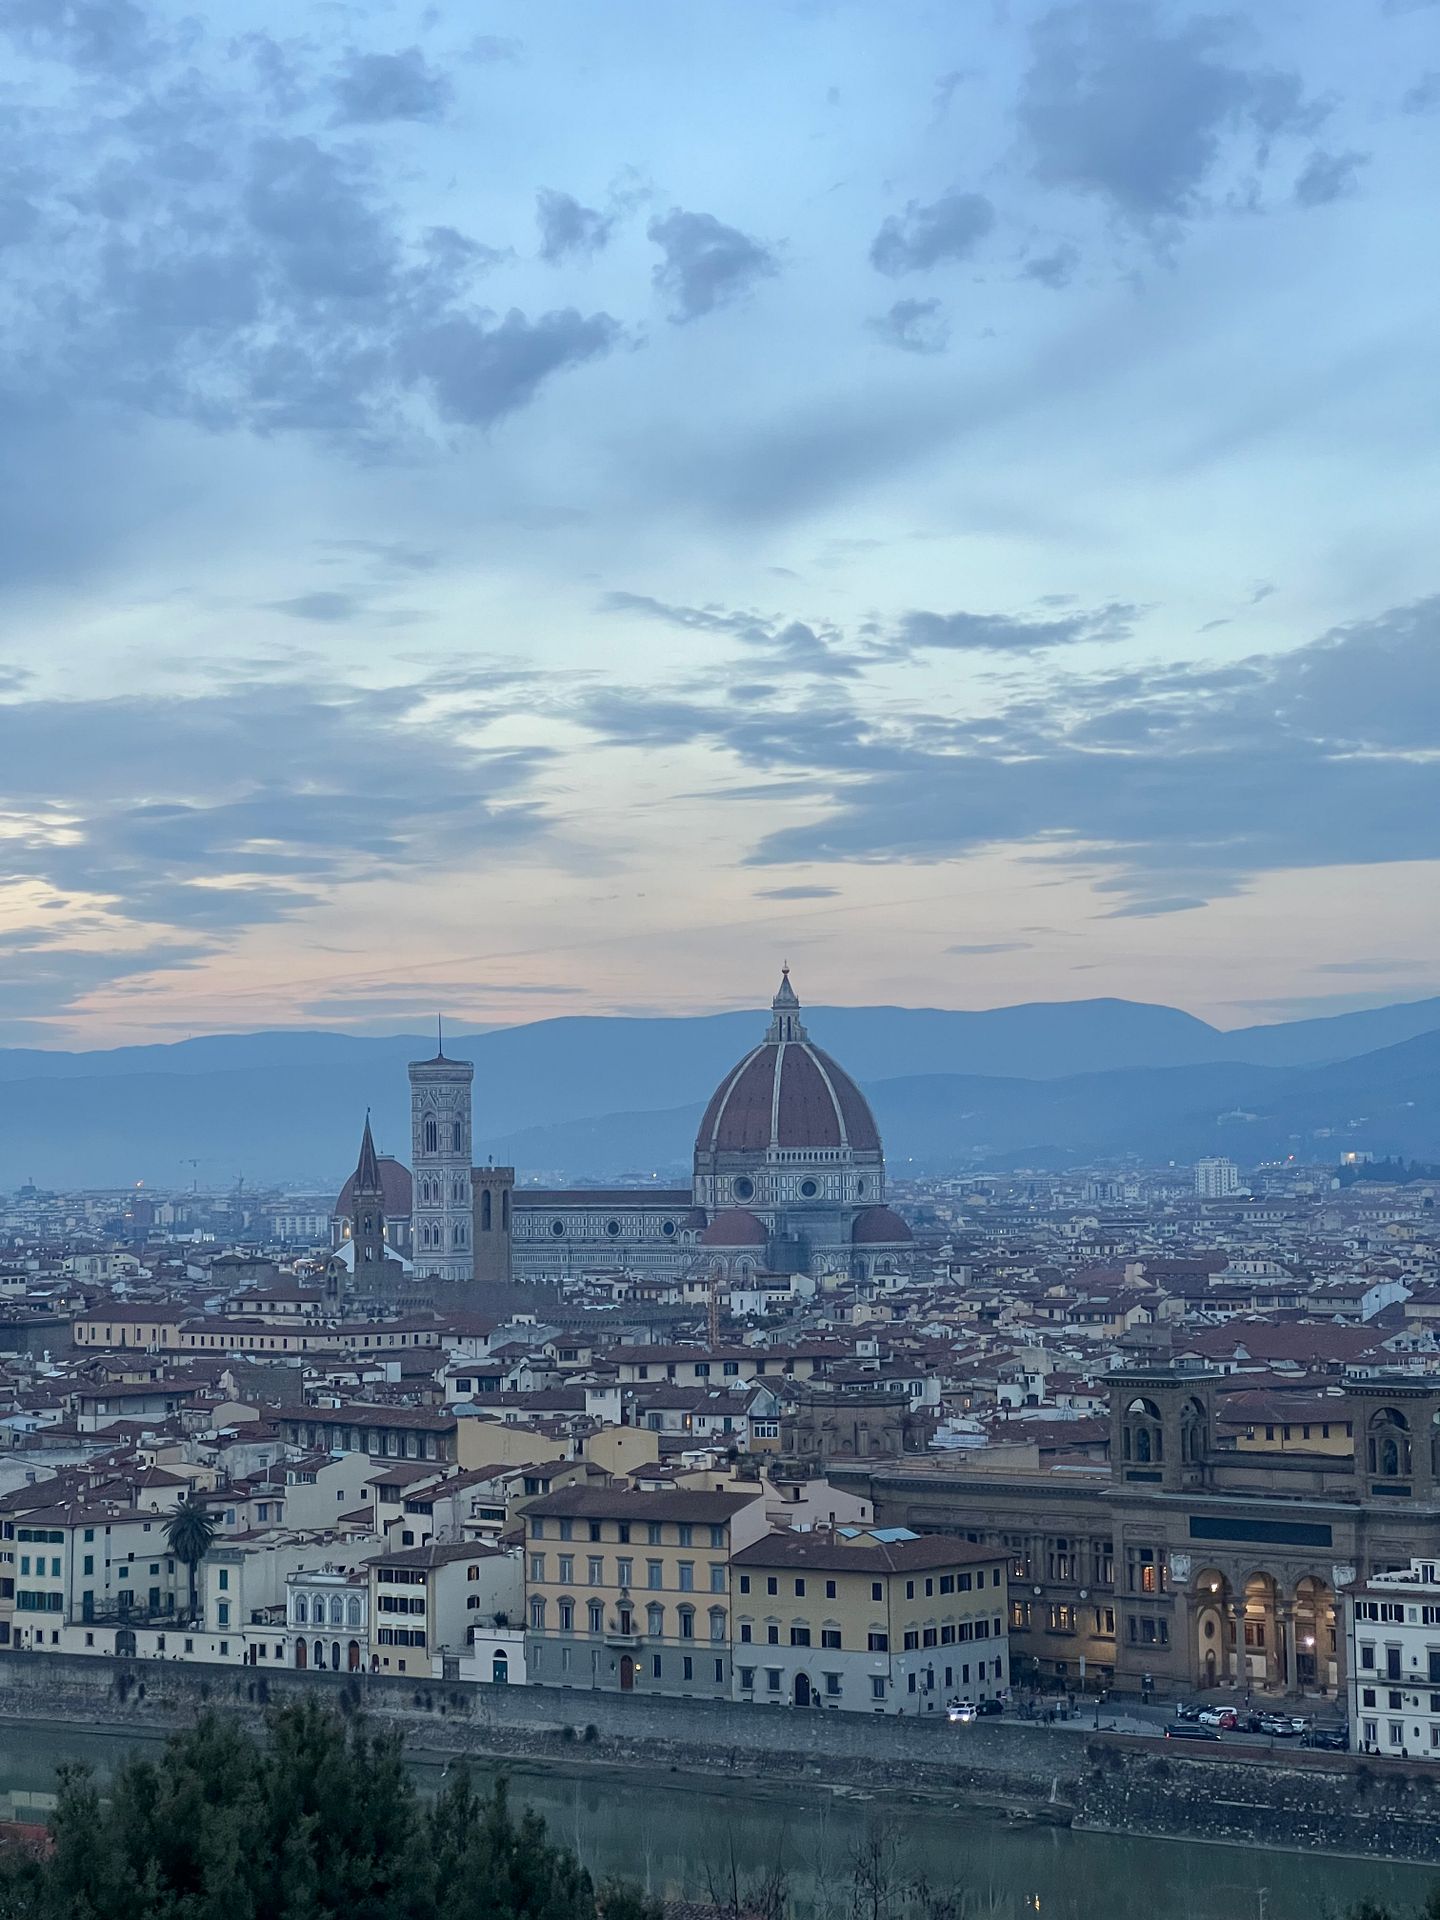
(830, 1637)
(687, 1576)
(717, 1576)
(654, 1573)
(799, 1589)
(654, 1533)
(878, 1642)
(747, 1679)
(877, 1686)
(717, 1538)
(686, 1534)
(744, 1583)
(595, 1611)
(567, 1568)
(537, 1566)
(832, 1683)
(799, 1636)
(772, 1679)
(877, 1592)
(537, 1613)
(687, 1623)
(687, 1667)
(595, 1564)
(717, 1624)
(829, 1589)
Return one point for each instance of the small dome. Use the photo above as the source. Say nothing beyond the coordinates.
(880, 1227)
(788, 1095)
(396, 1190)
(734, 1228)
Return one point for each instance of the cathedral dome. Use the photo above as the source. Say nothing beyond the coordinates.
(880, 1227)
(395, 1191)
(787, 1096)
(734, 1227)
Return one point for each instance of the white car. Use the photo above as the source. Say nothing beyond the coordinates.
(960, 1712)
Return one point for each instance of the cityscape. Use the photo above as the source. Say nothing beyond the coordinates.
(719, 1004)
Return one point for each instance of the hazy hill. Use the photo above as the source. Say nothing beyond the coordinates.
(594, 1095)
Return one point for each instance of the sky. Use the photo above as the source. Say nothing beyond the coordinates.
(527, 510)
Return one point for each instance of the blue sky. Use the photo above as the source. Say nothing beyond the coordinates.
(545, 509)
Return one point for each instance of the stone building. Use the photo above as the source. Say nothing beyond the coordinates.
(440, 1096)
(1197, 1564)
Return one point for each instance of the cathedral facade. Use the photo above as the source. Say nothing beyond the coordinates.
(789, 1177)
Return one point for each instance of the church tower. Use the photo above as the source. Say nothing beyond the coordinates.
(367, 1228)
(443, 1211)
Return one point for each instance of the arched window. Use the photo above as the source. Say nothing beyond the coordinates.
(567, 1616)
(655, 1620)
(485, 1211)
(302, 1610)
(596, 1611)
(457, 1134)
(1142, 1439)
(1389, 1444)
(352, 1610)
(500, 1669)
(687, 1623)
(537, 1613)
(337, 1611)
(431, 1134)
(717, 1623)
(317, 1653)
(1193, 1434)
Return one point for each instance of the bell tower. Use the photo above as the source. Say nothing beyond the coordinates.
(367, 1220)
(440, 1093)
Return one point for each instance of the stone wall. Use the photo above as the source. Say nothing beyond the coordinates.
(1334, 1803)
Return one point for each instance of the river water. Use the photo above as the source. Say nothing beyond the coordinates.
(685, 1838)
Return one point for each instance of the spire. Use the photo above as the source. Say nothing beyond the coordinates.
(367, 1171)
(439, 1036)
(785, 1011)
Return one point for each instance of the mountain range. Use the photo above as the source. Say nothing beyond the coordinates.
(606, 1097)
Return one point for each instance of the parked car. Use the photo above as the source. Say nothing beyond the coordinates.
(1329, 1739)
(985, 1707)
(960, 1712)
(1280, 1726)
(1219, 1717)
(1189, 1730)
(1188, 1710)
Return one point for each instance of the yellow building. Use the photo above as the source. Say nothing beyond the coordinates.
(627, 1590)
(868, 1620)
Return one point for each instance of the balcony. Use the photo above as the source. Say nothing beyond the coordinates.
(623, 1632)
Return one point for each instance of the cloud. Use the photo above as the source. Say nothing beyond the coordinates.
(193, 817)
(707, 265)
(104, 36)
(797, 893)
(1329, 176)
(1424, 96)
(375, 87)
(1120, 102)
(922, 237)
(786, 646)
(568, 228)
(1377, 967)
(915, 326)
(1008, 633)
(478, 373)
(1055, 269)
(992, 946)
(326, 607)
(1184, 781)
(1151, 909)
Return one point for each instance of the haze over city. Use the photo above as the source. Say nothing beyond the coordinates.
(532, 510)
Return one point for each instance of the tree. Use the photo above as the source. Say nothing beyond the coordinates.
(190, 1530)
(319, 1822)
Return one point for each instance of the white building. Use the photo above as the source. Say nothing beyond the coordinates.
(1392, 1656)
(327, 1619)
(1216, 1179)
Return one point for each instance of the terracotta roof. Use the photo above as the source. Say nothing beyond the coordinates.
(623, 1503)
(825, 1549)
(396, 1190)
(880, 1227)
(734, 1227)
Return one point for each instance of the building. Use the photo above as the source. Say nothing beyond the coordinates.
(424, 1602)
(1199, 1564)
(631, 1591)
(1216, 1179)
(327, 1618)
(440, 1095)
(396, 1202)
(789, 1179)
(868, 1620)
(1392, 1654)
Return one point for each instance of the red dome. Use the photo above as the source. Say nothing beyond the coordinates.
(734, 1228)
(787, 1094)
(880, 1227)
(396, 1190)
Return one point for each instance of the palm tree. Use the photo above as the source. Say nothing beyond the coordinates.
(190, 1530)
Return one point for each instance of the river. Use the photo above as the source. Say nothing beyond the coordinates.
(683, 1837)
